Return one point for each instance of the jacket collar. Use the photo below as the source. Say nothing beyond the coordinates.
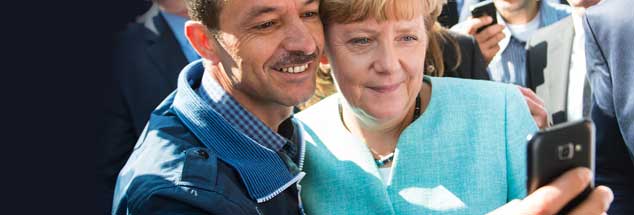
(263, 172)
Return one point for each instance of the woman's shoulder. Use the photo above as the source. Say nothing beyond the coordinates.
(469, 92)
(469, 86)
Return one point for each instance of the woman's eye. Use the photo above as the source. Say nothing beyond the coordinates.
(409, 38)
(264, 25)
(360, 40)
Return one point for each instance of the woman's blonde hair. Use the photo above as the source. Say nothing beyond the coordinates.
(438, 35)
(349, 11)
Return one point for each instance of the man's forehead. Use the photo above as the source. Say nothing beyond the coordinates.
(247, 5)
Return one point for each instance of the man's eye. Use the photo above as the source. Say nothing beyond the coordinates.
(360, 40)
(309, 14)
(264, 25)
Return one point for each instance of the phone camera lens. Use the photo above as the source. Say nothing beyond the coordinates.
(565, 151)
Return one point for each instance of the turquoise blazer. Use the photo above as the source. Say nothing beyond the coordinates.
(466, 154)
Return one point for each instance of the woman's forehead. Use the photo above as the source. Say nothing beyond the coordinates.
(372, 25)
(349, 11)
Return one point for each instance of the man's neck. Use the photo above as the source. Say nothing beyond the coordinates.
(521, 16)
(578, 11)
(270, 113)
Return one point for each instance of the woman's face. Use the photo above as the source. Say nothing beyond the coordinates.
(378, 66)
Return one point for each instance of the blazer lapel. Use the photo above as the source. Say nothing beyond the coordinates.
(165, 52)
(558, 69)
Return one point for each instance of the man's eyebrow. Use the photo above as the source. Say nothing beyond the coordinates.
(255, 12)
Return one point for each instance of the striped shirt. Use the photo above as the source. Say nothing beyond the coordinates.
(241, 119)
(509, 64)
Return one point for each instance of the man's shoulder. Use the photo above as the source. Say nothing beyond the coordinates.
(553, 12)
(560, 9)
(169, 162)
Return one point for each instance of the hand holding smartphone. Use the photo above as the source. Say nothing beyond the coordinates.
(555, 150)
(484, 8)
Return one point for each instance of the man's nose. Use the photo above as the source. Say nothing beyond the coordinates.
(299, 38)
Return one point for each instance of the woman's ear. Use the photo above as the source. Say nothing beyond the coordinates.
(202, 41)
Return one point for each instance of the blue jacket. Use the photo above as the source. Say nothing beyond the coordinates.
(466, 154)
(190, 160)
(610, 64)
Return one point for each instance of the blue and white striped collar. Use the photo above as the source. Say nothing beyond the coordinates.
(263, 172)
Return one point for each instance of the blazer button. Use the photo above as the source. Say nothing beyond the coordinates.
(203, 153)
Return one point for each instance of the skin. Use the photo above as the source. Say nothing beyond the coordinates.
(382, 84)
(257, 38)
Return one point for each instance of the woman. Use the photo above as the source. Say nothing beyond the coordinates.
(394, 141)
(449, 54)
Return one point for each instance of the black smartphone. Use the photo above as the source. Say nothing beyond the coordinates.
(484, 8)
(557, 149)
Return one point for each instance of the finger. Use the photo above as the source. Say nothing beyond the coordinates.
(476, 23)
(490, 32)
(491, 42)
(551, 198)
(539, 113)
(529, 93)
(509, 207)
(597, 202)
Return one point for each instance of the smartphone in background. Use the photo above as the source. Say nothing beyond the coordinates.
(484, 8)
(557, 149)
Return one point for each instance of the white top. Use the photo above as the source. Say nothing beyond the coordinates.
(577, 73)
(524, 31)
(386, 174)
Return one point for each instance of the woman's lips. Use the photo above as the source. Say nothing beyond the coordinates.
(385, 88)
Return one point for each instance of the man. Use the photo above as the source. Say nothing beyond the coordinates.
(503, 44)
(610, 65)
(555, 62)
(225, 141)
(146, 60)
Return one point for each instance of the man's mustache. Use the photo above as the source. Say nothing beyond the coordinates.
(295, 58)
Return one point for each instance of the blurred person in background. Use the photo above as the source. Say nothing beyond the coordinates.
(147, 58)
(556, 66)
(503, 44)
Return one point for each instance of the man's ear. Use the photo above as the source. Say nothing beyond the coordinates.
(201, 40)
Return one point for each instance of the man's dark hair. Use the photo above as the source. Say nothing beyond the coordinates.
(206, 11)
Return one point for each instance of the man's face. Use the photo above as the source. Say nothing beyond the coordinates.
(510, 6)
(271, 49)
